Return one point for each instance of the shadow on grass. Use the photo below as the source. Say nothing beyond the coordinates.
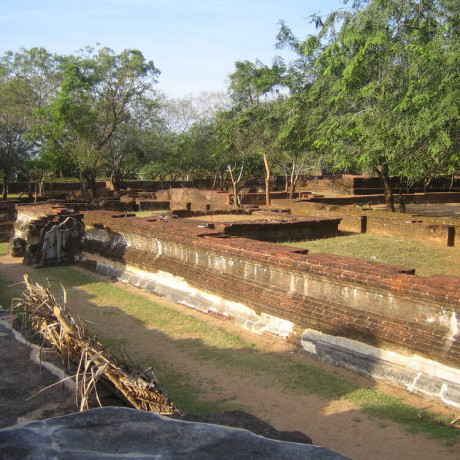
(147, 329)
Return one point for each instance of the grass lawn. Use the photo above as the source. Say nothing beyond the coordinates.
(215, 345)
(150, 213)
(425, 258)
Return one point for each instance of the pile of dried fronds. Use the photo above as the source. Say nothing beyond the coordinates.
(94, 361)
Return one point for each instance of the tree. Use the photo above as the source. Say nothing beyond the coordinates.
(235, 148)
(15, 145)
(387, 73)
(27, 81)
(131, 145)
(96, 98)
(295, 140)
(35, 171)
(254, 88)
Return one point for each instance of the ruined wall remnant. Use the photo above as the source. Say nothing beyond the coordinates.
(194, 199)
(7, 218)
(287, 229)
(47, 234)
(445, 231)
(62, 242)
(371, 317)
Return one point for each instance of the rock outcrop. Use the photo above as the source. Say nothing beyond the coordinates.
(128, 433)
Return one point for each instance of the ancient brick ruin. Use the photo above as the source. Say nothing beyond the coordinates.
(47, 235)
(377, 319)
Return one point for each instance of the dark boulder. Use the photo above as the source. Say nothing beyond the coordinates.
(112, 432)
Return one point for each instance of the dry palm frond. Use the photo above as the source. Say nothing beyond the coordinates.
(95, 362)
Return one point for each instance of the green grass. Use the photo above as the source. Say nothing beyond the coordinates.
(3, 249)
(205, 342)
(427, 260)
(149, 213)
(418, 420)
(113, 342)
(6, 294)
(184, 394)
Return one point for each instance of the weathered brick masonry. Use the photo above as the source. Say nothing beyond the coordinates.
(290, 229)
(32, 223)
(374, 318)
(374, 303)
(444, 231)
(7, 218)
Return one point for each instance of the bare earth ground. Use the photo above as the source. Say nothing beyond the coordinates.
(337, 424)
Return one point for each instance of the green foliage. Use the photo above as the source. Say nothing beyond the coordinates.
(97, 95)
(252, 83)
(377, 88)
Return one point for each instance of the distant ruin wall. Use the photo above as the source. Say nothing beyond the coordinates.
(21, 187)
(398, 225)
(193, 195)
(375, 318)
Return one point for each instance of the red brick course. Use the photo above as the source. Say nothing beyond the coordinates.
(271, 291)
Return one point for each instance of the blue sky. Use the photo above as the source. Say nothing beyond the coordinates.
(194, 43)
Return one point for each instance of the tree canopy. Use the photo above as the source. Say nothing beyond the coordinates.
(376, 88)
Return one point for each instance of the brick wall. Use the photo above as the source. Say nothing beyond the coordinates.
(259, 198)
(158, 185)
(194, 196)
(372, 197)
(446, 232)
(284, 229)
(7, 218)
(19, 187)
(152, 205)
(377, 304)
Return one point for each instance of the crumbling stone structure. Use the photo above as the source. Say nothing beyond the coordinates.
(377, 319)
(47, 235)
(7, 218)
(193, 199)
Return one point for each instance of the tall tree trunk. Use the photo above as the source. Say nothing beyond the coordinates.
(268, 200)
(382, 172)
(293, 181)
(88, 182)
(235, 188)
(214, 182)
(116, 180)
(6, 181)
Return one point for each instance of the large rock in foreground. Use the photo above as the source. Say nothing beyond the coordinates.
(113, 432)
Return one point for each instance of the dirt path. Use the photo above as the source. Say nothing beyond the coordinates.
(337, 424)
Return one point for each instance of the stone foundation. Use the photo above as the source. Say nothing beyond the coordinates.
(374, 318)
